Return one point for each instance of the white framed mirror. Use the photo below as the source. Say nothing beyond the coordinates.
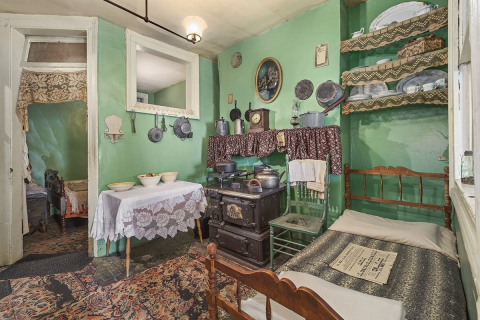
(161, 78)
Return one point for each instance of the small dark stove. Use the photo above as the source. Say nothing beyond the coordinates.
(239, 218)
(221, 176)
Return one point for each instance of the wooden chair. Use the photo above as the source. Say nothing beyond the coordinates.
(310, 225)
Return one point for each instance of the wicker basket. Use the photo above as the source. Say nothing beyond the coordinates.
(419, 46)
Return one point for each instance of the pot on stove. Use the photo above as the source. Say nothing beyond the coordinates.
(226, 166)
(269, 178)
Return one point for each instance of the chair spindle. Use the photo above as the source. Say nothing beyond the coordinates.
(381, 184)
(365, 184)
(268, 309)
(400, 186)
(421, 190)
(239, 297)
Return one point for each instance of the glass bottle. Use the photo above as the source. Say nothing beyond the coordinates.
(295, 121)
(467, 168)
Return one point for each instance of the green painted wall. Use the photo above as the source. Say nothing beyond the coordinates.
(57, 139)
(174, 96)
(135, 154)
(292, 44)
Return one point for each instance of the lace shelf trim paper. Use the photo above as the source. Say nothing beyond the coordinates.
(49, 87)
(429, 22)
(437, 97)
(395, 70)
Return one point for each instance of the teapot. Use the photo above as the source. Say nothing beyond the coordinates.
(221, 127)
(269, 178)
(358, 33)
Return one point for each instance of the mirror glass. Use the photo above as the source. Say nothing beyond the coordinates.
(161, 81)
(161, 78)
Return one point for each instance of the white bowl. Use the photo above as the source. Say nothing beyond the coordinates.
(121, 186)
(169, 177)
(149, 181)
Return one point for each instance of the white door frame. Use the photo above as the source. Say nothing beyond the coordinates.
(13, 27)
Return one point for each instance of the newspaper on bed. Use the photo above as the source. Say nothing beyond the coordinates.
(365, 263)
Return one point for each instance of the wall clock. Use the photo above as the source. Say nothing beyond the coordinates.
(259, 120)
(268, 80)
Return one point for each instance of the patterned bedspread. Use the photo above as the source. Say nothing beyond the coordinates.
(427, 282)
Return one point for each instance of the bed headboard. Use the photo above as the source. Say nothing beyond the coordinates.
(400, 172)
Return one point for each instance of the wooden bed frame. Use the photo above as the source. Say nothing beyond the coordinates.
(304, 301)
(57, 197)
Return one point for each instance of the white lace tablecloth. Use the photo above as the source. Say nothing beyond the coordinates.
(146, 212)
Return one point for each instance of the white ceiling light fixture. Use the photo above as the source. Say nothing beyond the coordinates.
(194, 27)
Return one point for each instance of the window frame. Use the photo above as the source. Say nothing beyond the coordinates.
(59, 65)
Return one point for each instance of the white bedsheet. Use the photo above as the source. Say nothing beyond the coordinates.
(417, 234)
(350, 304)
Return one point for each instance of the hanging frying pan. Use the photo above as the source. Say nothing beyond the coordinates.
(235, 113)
(247, 113)
(155, 134)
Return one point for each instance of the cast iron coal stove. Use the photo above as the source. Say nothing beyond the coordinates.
(239, 218)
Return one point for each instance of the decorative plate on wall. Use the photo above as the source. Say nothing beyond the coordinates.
(236, 60)
(304, 89)
(268, 80)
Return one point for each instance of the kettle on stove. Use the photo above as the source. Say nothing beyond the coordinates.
(221, 127)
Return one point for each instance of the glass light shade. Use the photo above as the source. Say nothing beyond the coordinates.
(194, 27)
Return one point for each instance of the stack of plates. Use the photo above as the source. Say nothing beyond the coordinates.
(387, 93)
(421, 78)
(359, 97)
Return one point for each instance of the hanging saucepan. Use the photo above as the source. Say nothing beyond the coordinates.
(328, 93)
(247, 113)
(235, 113)
(155, 134)
(182, 127)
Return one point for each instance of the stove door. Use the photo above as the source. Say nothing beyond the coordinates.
(233, 242)
(239, 212)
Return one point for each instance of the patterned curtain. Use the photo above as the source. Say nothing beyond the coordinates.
(49, 87)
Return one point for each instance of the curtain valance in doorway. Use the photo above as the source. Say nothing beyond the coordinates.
(49, 87)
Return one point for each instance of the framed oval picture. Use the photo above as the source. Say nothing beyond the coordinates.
(268, 80)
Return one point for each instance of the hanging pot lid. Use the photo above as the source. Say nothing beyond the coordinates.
(235, 113)
(304, 89)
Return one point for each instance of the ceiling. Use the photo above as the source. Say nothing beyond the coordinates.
(229, 21)
(155, 73)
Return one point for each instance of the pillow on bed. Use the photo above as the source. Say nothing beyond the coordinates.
(416, 234)
(350, 304)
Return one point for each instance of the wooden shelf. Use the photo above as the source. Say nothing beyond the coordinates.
(436, 97)
(428, 22)
(395, 70)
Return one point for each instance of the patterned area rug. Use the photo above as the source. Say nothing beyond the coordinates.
(174, 290)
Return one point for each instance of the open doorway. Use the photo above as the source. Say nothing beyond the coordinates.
(49, 119)
(52, 108)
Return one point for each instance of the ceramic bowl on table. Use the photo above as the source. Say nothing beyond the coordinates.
(121, 186)
(149, 181)
(169, 177)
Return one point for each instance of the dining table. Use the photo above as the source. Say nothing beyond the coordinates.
(147, 212)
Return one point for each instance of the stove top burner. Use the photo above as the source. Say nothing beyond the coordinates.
(227, 176)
